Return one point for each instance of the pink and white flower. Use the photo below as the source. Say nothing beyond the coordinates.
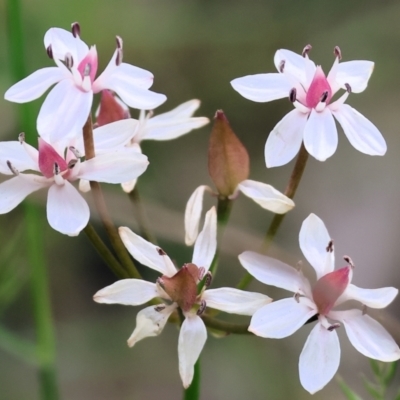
(68, 105)
(319, 359)
(311, 93)
(67, 211)
(178, 288)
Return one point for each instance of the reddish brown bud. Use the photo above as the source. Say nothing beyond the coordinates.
(110, 109)
(228, 160)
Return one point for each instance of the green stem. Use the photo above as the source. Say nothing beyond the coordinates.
(45, 341)
(226, 327)
(193, 391)
(290, 191)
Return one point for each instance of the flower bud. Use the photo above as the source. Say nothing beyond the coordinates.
(228, 160)
(110, 109)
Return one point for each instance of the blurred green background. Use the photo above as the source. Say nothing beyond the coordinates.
(194, 49)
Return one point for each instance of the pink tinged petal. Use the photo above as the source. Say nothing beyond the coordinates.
(146, 253)
(284, 141)
(354, 73)
(67, 211)
(65, 109)
(281, 318)
(319, 359)
(14, 191)
(263, 87)
(274, 272)
(192, 337)
(361, 132)
(206, 243)
(193, 210)
(320, 134)
(374, 298)
(19, 155)
(266, 196)
(235, 301)
(127, 187)
(150, 322)
(48, 157)
(314, 240)
(318, 88)
(114, 167)
(33, 86)
(130, 292)
(88, 65)
(368, 336)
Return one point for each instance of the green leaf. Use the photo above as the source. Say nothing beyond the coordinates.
(349, 393)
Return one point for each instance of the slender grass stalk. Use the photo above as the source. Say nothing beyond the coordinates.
(45, 340)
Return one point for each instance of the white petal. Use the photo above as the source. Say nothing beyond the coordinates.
(355, 73)
(22, 157)
(235, 301)
(183, 111)
(114, 167)
(84, 185)
(34, 85)
(67, 211)
(150, 322)
(361, 132)
(284, 141)
(314, 239)
(263, 87)
(127, 187)
(266, 196)
(146, 253)
(206, 243)
(374, 298)
(14, 191)
(192, 337)
(193, 210)
(320, 134)
(274, 272)
(368, 336)
(131, 292)
(319, 359)
(281, 318)
(65, 109)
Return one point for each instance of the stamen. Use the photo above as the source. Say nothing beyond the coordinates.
(333, 327)
(88, 68)
(160, 281)
(282, 66)
(161, 252)
(118, 59)
(348, 87)
(297, 297)
(21, 137)
(349, 261)
(49, 51)
(337, 52)
(292, 95)
(12, 168)
(119, 42)
(69, 61)
(208, 279)
(306, 50)
(76, 29)
(56, 169)
(200, 273)
(364, 309)
(160, 307)
(330, 247)
(72, 163)
(75, 152)
(324, 96)
(202, 307)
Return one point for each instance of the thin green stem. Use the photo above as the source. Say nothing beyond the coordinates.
(45, 340)
(193, 391)
(276, 222)
(226, 327)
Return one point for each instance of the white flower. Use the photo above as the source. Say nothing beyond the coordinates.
(177, 288)
(67, 106)
(67, 211)
(312, 119)
(319, 359)
(265, 195)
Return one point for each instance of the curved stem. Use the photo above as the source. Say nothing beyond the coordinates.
(290, 191)
(227, 327)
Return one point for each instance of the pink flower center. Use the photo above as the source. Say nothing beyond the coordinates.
(319, 90)
(50, 160)
(329, 288)
(88, 66)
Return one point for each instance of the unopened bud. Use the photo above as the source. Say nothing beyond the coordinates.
(111, 109)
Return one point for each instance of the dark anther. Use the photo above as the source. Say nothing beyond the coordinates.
(69, 61)
(56, 169)
(159, 308)
(348, 87)
(337, 52)
(202, 307)
(306, 50)
(12, 168)
(72, 163)
(349, 261)
(333, 327)
(160, 281)
(324, 96)
(76, 29)
(49, 51)
(329, 248)
(282, 65)
(292, 95)
(118, 59)
(208, 279)
(21, 137)
(75, 151)
(161, 252)
(119, 42)
(88, 68)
